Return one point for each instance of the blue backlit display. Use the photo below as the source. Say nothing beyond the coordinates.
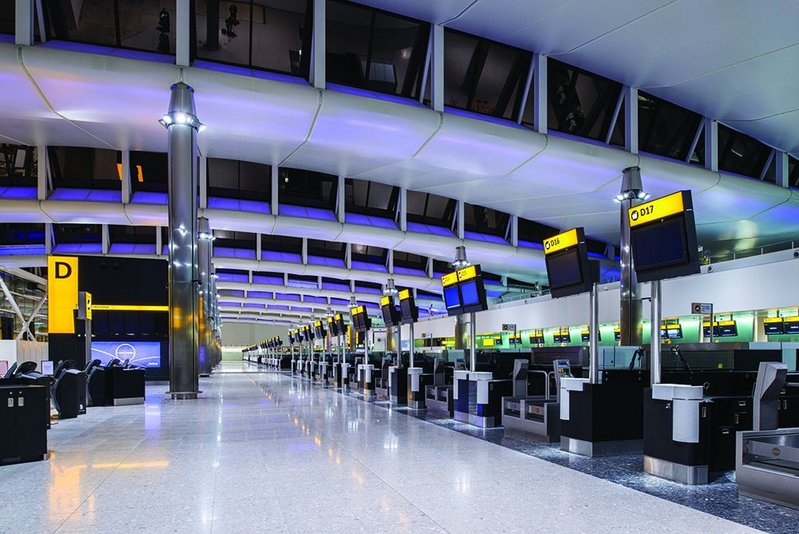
(145, 354)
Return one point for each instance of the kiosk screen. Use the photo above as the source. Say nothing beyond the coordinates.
(773, 326)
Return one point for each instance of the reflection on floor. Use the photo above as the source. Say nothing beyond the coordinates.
(268, 453)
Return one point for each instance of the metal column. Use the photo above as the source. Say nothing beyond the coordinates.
(204, 351)
(654, 329)
(399, 346)
(411, 340)
(472, 342)
(593, 327)
(182, 125)
(631, 316)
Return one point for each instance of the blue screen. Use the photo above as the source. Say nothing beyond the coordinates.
(451, 297)
(145, 354)
(469, 293)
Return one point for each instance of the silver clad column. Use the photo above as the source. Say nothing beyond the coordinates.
(182, 126)
(205, 321)
(631, 317)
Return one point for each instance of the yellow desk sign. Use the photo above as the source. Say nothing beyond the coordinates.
(769, 320)
(405, 294)
(385, 301)
(467, 273)
(561, 241)
(129, 307)
(449, 279)
(88, 304)
(656, 209)
(62, 293)
(792, 319)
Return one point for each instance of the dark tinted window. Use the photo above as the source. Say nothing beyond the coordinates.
(228, 238)
(427, 208)
(533, 232)
(266, 34)
(484, 76)
(371, 198)
(411, 261)
(279, 243)
(369, 254)
(485, 220)
(149, 171)
(239, 179)
(580, 103)
(92, 168)
(328, 249)
(132, 234)
(307, 188)
(7, 16)
(793, 171)
(18, 165)
(698, 156)
(137, 24)
(664, 128)
(77, 233)
(21, 234)
(375, 50)
(740, 153)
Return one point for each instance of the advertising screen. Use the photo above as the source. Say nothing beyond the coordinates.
(145, 354)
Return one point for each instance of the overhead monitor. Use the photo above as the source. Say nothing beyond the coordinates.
(663, 238)
(706, 329)
(728, 329)
(537, 339)
(332, 326)
(408, 308)
(617, 334)
(674, 331)
(452, 296)
(297, 336)
(792, 325)
(391, 314)
(342, 326)
(568, 269)
(774, 326)
(564, 336)
(291, 338)
(472, 289)
(585, 336)
(319, 329)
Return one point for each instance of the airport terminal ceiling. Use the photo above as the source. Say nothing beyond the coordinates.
(555, 180)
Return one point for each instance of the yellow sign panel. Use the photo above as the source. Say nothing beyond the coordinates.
(562, 241)
(385, 301)
(405, 294)
(488, 342)
(317, 324)
(449, 279)
(768, 320)
(129, 307)
(794, 319)
(88, 303)
(656, 209)
(62, 293)
(467, 273)
(338, 317)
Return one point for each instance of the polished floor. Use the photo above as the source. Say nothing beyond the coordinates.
(263, 452)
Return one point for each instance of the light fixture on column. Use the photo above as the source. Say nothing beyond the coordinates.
(391, 289)
(181, 108)
(631, 186)
(460, 258)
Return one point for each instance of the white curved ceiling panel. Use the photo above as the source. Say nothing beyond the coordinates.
(241, 221)
(386, 132)
(22, 211)
(147, 214)
(310, 228)
(734, 199)
(66, 211)
(477, 148)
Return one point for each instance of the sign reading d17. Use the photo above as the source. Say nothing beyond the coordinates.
(657, 209)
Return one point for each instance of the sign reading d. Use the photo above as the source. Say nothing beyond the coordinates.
(62, 293)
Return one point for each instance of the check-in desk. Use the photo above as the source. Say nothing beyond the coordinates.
(604, 418)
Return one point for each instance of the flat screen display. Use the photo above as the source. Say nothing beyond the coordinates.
(452, 297)
(706, 330)
(469, 295)
(585, 336)
(145, 354)
(728, 330)
(564, 269)
(660, 245)
(674, 331)
(563, 337)
(774, 327)
(791, 327)
(409, 311)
